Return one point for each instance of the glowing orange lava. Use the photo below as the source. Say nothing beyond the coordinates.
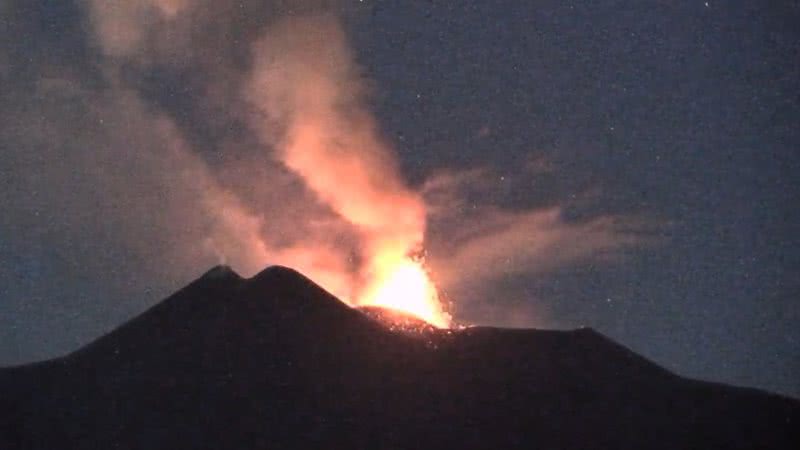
(406, 286)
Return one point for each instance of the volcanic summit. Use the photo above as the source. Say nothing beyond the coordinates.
(274, 361)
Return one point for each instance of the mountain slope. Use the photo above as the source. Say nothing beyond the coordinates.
(274, 361)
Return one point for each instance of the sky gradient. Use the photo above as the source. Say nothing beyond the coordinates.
(625, 165)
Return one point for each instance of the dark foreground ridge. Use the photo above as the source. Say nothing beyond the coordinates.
(274, 361)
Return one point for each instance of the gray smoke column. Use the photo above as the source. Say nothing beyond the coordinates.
(309, 89)
(241, 133)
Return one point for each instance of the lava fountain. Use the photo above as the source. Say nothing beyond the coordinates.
(405, 285)
(313, 112)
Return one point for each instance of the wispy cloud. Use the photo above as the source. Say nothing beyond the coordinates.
(477, 242)
(253, 147)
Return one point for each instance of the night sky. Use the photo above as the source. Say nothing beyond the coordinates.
(650, 147)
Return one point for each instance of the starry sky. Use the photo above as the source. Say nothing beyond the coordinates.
(650, 147)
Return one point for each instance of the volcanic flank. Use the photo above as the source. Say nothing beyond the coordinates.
(274, 361)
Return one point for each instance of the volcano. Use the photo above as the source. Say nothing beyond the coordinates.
(275, 361)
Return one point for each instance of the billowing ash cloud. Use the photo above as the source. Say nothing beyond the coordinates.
(307, 86)
(257, 212)
(238, 132)
(123, 27)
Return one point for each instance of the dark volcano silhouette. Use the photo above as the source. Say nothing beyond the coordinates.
(274, 361)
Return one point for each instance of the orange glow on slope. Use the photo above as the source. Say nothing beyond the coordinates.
(406, 286)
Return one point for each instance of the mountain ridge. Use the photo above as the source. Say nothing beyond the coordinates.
(276, 361)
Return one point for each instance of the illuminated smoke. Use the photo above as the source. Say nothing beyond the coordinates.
(307, 85)
(313, 185)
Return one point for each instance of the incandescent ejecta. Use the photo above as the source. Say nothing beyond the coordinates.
(306, 85)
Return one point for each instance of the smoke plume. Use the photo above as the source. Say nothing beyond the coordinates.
(308, 88)
(195, 132)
